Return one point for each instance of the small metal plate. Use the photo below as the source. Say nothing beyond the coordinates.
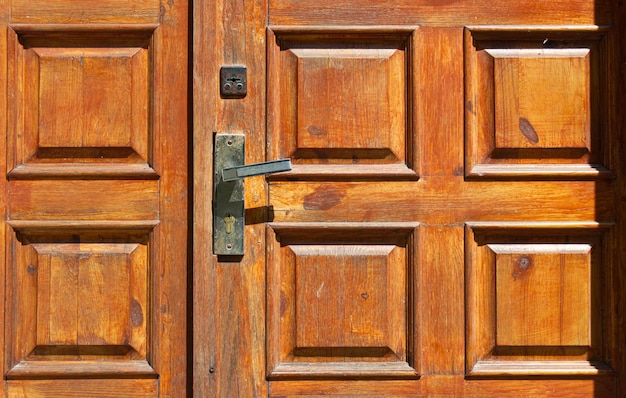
(228, 196)
(233, 81)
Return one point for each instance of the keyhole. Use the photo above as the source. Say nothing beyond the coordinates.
(229, 222)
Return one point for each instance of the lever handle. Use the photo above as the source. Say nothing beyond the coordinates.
(228, 191)
(256, 169)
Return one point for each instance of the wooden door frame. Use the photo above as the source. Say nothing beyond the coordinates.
(227, 318)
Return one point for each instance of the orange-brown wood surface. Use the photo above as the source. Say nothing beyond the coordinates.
(453, 223)
(229, 296)
(94, 198)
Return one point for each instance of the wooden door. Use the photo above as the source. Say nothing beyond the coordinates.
(94, 206)
(453, 224)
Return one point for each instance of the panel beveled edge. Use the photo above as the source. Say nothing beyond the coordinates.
(480, 108)
(295, 227)
(75, 369)
(23, 159)
(480, 311)
(280, 359)
(33, 227)
(41, 29)
(281, 146)
(26, 364)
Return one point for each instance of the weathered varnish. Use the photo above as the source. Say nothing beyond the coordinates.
(453, 224)
(94, 198)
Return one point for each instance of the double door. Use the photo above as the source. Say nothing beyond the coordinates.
(452, 224)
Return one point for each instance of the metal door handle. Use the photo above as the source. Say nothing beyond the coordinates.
(228, 191)
(256, 169)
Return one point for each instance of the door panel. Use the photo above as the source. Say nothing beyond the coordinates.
(341, 311)
(452, 223)
(95, 198)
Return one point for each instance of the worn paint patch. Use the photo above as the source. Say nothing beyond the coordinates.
(323, 198)
(528, 130)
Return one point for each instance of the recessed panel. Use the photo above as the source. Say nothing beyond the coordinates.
(534, 294)
(340, 106)
(79, 297)
(85, 101)
(533, 103)
(334, 294)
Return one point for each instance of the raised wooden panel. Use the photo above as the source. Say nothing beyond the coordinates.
(80, 297)
(338, 301)
(106, 119)
(82, 99)
(535, 294)
(342, 295)
(318, 119)
(533, 103)
(525, 82)
(555, 276)
(329, 115)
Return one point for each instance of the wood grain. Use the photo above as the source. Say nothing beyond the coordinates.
(86, 12)
(93, 388)
(455, 13)
(446, 385)
(5, 98)
(617, 120)
(503, 150)
(229, 294)
(442, 200)
(517, 120)
(95, 189)
(49, 200)
(336, 288)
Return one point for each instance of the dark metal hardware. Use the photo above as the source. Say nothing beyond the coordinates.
(257, 169)
(233, 81)
(228, 194)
